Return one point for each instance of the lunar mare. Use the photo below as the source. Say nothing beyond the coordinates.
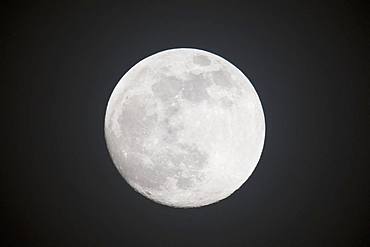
(185, 127)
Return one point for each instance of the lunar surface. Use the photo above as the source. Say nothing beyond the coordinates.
(185, 127)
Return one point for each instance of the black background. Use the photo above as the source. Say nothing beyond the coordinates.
(308, 61)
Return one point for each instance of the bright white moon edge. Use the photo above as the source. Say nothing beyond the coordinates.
(185, 127)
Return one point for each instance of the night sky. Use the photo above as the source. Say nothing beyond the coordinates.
(308, 61)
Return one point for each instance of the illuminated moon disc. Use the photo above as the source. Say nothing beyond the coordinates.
(185, 127)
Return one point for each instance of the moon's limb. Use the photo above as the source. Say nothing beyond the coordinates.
(185, 127)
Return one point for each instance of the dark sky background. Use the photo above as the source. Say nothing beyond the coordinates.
(308, 61)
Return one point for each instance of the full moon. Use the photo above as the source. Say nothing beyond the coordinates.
(185, 127)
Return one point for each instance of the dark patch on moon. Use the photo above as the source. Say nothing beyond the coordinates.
(222, 78)
(225, 102)
(184, 183)
(167, 88)
(201, 60)
(194, 88)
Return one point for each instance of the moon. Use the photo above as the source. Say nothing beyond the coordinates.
(185, 128)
